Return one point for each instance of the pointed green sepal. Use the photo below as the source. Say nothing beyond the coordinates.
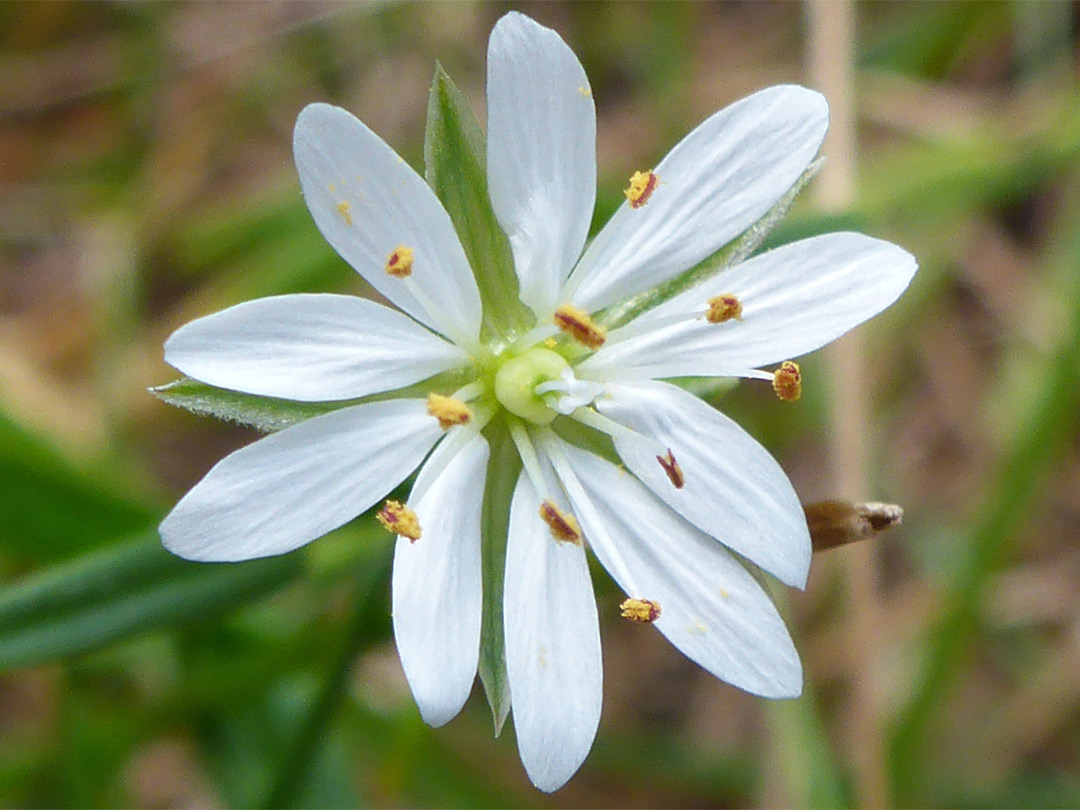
(503, 469)
(455, 161)
(262, 413)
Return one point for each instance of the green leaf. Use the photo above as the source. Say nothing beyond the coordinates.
(502, 474)
(126, 589)
(262, 413)
(455, 163)
(51, 508)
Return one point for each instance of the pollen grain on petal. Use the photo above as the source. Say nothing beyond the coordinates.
(396, 517)
(725, 307)
(673, 470)
(564, 526)
(343, 209)
(787, 381)
(448, 411)
(644, 611)
(400, 262)
(642, 185)
(580, 326)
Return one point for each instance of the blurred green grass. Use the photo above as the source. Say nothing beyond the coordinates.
(146, 178)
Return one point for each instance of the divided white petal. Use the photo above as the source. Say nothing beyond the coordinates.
(287, 489)
(367, 202)
(734, 490)
(309, 347)
(795, 299)
(719, 180)
(712, 609)
(541, 153)
(552, 645)
(437, 581)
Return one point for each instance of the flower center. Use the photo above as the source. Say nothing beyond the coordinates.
(538, 385)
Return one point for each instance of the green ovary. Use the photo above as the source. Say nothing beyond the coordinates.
(516, 381)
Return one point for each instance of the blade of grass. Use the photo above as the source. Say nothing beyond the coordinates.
(1052, 417)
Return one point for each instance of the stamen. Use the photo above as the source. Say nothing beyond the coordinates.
(469, 391)
(644, 611)
(529, 459)
(583, 504)
(787, 381)
(399, 519)
(448, 411)
(724, 307)
(400, 263)
(564, 527)
(580, 326)
(343, 209)
(606, 424)
(642, 185)
(673, 470)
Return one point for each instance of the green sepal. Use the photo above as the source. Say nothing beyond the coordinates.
(731, 254)
(270, 414)
(262, 413)
(455, 159)
(504, 465)
(130, 588)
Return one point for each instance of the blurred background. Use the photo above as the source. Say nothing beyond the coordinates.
(146, 178)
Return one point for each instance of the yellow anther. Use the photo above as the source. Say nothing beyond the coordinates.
(644, 611)
(580, 326)
(724, 307)
(343, 209)
(787, 381)
(564, 527)
(673, 470)
(399, 265)
(448, 411)
(642, 185)
(396, 517)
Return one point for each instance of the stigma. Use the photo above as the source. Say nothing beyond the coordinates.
(396, 517)
(563, 526)
(787, 381)
(448, 411)
(723, 308)
(580, 326)
(642, 185)
(643, 611)
(673, 470)
(400, 262)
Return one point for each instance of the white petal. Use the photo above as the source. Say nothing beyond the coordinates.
(312, 348)
(367, 202)
(795, 299)
(287, 489)
(436, 583)
(552, 645)
(719, 180)
(712, 609)
(541, 157)
(734, 490)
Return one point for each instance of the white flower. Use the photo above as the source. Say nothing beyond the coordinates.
(695, 487)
